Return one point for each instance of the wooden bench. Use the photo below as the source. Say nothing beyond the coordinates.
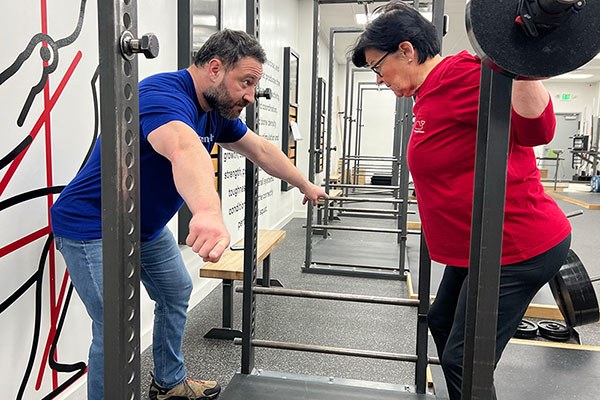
(334, 178)
(230, 268)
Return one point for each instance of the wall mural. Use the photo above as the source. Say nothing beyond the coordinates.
(37, 306)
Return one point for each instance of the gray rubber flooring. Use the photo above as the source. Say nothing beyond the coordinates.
(350, 325)
(588, 197)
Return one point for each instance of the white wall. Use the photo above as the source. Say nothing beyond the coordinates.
(61, 139)
(278, 29)
(378, 112)
(586, 100)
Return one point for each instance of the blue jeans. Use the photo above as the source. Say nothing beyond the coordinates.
(518, 285)
(167, 282)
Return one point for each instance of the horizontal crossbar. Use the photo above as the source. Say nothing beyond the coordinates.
(380, 355)
(311, 294)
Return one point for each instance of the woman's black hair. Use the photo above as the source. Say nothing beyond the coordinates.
(395, 23)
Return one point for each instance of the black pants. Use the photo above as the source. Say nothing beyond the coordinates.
(518, 285)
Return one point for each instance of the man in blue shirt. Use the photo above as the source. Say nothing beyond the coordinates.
(182, 115)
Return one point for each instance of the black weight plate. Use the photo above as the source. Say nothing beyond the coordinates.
(503, 45)
(574, 293)
(526, 330)
(554, 331)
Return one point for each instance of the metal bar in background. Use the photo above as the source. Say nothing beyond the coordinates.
(486, 235)
(250, 219)
(321, 152)
(119, 116)
(371, 200)
(351, 120)
(340, 269)
(332, 63)
(367, 210)
(357, 141)
(365, 229)
(329, 108)
(346, 117)
(384, 187)
(372, 158)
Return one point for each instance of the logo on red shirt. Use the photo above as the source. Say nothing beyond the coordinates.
(419, 126)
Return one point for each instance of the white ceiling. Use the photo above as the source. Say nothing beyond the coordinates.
(342, 16)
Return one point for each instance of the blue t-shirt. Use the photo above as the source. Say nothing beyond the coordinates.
(163, 98)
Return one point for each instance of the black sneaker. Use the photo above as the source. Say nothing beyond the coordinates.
(189, 389)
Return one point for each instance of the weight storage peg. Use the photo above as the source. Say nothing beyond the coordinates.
(147, 45)
(266, 93)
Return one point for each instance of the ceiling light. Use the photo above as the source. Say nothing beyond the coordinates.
(571, 75)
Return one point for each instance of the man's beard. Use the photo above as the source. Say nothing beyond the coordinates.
(219, 100)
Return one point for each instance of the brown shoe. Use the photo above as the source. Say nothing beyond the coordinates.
(189, 389)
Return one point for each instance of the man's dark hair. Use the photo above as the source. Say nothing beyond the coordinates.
(397, 22)
(230, 46)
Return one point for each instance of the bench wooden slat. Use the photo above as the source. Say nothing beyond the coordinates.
(332, 193)
(231, 264)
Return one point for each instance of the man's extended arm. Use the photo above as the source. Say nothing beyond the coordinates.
(193, 174)
(274, 162)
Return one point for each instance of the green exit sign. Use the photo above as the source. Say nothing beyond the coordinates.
(566, 96)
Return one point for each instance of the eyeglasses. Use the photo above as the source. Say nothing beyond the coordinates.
(377, 65)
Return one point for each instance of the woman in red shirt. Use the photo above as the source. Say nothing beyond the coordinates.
(402, 48)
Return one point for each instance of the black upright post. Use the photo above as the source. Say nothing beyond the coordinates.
(120, 201)
(251, 219)
(486, 235)
(406, 116)
(184, 58)
(184, 33)
(346, 118)
(330, 96)
(422, 329)
(314, 121)
(437, 13)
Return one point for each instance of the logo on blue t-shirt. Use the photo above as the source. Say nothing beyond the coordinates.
(207, 139)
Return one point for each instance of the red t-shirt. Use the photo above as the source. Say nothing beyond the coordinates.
(441, 158)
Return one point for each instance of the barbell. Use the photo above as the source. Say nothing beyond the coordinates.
(534, 39)
(574, 293)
